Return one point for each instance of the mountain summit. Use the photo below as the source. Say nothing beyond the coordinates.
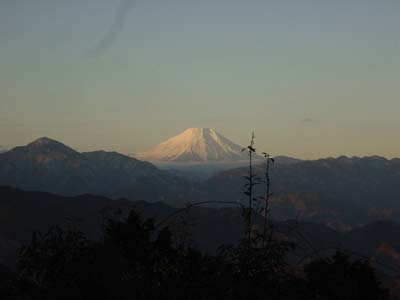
(48, 146)
(195, 145)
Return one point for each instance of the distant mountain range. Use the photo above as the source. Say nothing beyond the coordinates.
(342, 192)
(48, 165)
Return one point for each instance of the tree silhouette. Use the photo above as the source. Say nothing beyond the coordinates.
(340, 277)
(138, 260)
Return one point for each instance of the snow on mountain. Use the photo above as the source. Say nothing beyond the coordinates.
(195, 145)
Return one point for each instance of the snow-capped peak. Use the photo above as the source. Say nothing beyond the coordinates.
(195, 144)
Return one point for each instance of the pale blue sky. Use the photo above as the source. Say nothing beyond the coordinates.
(311, 78)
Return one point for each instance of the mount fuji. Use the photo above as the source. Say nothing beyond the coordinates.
(197, 153)
(195, 145)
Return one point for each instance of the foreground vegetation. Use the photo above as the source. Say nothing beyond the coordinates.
(135, 260)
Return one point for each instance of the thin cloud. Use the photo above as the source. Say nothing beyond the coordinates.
(112, 34)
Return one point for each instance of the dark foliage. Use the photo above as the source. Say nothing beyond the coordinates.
(137, 261)
(339, 277)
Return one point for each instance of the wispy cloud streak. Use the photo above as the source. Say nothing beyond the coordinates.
(112, 34)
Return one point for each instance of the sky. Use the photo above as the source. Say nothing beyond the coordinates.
(311, 78)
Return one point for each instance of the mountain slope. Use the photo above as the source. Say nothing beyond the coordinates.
(195, 145)
(48, 165)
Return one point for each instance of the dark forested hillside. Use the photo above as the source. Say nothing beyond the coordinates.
(205, 228)
(155, 259)
(340, 192)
